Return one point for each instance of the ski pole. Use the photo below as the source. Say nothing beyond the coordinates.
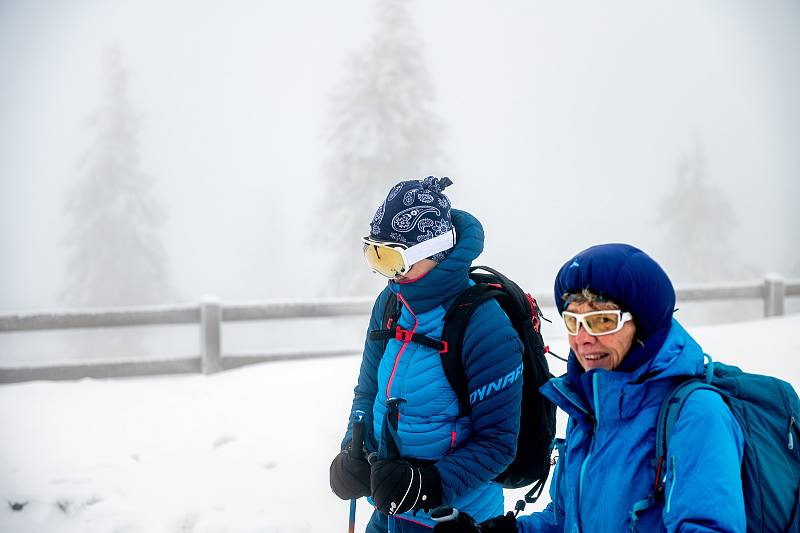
(391, 438)
(356, 452)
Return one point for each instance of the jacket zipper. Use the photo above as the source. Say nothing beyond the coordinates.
(402, 348)
(595, 426)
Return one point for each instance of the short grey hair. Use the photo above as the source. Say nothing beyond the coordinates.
(585, 296)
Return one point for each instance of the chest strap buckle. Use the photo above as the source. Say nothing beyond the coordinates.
(403, 335)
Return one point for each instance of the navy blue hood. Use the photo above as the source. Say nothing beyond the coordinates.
(633, 280)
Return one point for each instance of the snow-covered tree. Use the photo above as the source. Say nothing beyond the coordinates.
(699, 225)
(115, 254)
(381, 131)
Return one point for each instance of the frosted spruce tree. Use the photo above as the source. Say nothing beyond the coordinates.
(699, 224)
(115, 254)
(381, 131)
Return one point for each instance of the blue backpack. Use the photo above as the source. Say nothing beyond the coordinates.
(768, 411)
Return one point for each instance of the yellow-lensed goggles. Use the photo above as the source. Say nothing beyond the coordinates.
(597, 322)
(392, 259)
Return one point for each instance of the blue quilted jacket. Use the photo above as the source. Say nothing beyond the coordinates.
(468, 451)
(606, 465)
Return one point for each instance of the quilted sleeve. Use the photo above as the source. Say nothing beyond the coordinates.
(492, 355)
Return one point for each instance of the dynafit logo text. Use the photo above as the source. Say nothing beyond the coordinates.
(494, 386)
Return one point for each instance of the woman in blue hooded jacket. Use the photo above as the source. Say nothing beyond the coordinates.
(423, 451)
(627, 352)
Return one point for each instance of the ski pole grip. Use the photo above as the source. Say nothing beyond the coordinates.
(356, 451)
(357, 444)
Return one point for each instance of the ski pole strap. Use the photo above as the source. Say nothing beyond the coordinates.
(390, 437)
(403, 335)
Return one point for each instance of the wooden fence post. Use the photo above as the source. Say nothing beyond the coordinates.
(210, 335)
(774, 295)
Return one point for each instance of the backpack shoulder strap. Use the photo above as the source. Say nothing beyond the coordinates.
(391, 312)
(671, 408)
(391, 330)
(456, 320)
(667, 417)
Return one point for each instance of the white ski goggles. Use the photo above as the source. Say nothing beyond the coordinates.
(596, 322)
(392, 259)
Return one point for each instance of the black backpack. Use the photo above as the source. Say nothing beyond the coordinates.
(531, 464)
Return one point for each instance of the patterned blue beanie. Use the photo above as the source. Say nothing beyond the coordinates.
(413, 212)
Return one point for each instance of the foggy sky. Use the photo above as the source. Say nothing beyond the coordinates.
(565, 124)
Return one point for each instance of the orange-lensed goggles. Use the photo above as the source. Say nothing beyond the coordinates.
(392, 259)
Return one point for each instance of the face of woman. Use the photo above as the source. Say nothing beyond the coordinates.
(417, 270)
(600, 351)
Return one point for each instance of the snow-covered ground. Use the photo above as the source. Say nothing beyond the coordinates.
(240, 452)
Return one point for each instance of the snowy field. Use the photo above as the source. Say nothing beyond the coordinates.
(240, 452)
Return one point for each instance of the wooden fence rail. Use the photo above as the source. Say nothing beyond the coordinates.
(209, 313)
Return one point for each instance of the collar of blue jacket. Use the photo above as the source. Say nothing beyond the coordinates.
(678, 355)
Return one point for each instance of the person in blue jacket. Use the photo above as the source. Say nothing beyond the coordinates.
(422, 452)
(626, 352)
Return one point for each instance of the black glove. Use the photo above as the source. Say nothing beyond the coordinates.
(464, 523)
(349, 476)
(398, 487)
(500, 524)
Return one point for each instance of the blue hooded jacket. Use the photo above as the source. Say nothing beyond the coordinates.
(468, 451)
(606, 464)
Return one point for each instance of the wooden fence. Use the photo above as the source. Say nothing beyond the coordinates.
(209, 314)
